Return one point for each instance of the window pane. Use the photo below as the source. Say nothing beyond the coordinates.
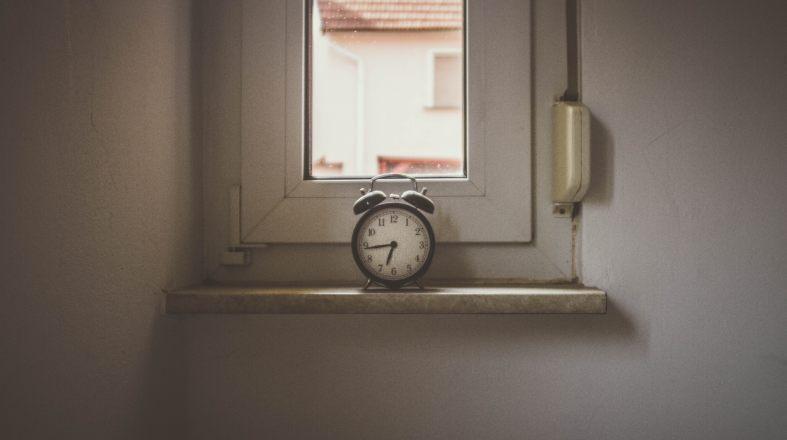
(386, 92)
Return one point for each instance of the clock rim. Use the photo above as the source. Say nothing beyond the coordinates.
(393, 284)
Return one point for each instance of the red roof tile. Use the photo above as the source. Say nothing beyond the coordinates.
(390, 15)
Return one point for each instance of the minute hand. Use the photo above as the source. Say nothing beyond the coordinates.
(378, 246)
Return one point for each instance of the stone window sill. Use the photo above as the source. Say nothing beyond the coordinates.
(538, 299)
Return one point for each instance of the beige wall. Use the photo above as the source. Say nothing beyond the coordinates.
(689, 106)
(100, 211)
(684, 227)
(685, 219)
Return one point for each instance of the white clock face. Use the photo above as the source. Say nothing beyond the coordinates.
(393, 244)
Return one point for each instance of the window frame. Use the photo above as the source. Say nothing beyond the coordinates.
(551, 257)
(278, 204)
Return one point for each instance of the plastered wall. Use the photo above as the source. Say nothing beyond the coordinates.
(100, 211)
(684, 226)
(686, 221)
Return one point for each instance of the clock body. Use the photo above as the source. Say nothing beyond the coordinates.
(393, 244)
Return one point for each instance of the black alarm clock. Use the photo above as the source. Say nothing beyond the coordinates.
(393, 242)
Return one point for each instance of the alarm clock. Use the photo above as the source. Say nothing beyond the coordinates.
(393, 242)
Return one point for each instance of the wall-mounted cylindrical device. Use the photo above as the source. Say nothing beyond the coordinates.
(570, 151)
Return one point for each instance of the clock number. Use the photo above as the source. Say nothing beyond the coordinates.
(409, 268)
(422, 245)
(393, 271)
(372, 231)
(418, 258)
(418, 231)
(381, 221)
(394, 218)
(407, 221)
(379, 268)
(366, 245)
(369, 258)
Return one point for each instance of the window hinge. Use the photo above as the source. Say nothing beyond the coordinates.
(236, 254)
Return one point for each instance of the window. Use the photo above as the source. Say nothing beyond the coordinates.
(444, 79)
(489, 201)
(367, 64)
(496, 222)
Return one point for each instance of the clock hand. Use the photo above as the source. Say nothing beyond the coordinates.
(378, 246)
(390, 253)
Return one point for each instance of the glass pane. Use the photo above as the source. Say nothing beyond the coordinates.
(386, 88)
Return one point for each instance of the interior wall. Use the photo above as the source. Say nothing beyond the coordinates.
(685, 223)
(100, 212)
(684, 227)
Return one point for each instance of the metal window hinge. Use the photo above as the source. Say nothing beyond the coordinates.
(236, 253)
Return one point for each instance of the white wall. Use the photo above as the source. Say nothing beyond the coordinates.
(686, 221)
(100, 211)
(684, 227)
(337, 105)
(396, 121)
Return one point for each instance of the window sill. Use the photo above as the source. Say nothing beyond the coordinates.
(344, 300)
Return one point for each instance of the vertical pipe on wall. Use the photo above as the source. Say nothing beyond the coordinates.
(573, 85)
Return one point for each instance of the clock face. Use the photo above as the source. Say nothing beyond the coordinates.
(393, 244)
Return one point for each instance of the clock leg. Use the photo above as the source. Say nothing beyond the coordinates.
(419, 284)
(368, 283)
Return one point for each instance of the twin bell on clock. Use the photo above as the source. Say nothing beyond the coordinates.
(413, 196)
(393, 242)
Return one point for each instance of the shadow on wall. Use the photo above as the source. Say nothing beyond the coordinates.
(222, 337)
(602, 163)
(290, 375)
(163, 385)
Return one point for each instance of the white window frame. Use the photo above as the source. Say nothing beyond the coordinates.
(493, 203)
(431, 60)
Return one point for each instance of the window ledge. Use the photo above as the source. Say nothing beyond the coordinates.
(342, 300)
